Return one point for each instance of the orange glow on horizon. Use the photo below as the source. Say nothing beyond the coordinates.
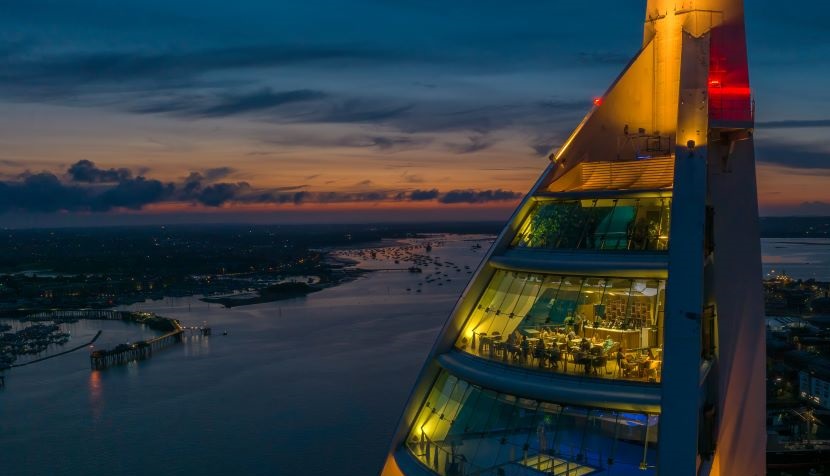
(232, 207)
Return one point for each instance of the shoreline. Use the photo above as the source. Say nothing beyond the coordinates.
(97, 335)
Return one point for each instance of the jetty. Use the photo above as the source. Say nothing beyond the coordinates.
(141, 350)
(173, 332)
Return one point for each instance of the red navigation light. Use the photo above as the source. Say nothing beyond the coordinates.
(715, 83)
(598, 101)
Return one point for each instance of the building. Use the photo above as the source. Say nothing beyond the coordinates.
(616, 326)
(814, 386)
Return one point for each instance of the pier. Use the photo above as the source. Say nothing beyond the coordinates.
(100, 359)
(125, 353)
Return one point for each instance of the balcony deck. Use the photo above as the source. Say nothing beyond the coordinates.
(574, 386)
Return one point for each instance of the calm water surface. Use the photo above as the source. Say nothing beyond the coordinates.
(310, 386)
(802, 258)
(300, 387)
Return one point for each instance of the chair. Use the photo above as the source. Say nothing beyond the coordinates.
(514, 351)
(554, 356)
(498, 348)
(482, 341)
(539, 353)
(599, 361)
(582, 358)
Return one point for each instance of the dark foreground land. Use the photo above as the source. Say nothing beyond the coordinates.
(105, 267)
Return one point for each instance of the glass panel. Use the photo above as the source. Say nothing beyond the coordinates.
(589, 326)
(640, 224)
(501, 434)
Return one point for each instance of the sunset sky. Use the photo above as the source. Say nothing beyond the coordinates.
(362, 110)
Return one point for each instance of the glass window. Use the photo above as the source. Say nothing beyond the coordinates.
(633, 224)
(595, 326)
(465, 429)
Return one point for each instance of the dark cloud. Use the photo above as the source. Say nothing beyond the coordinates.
(794, 156)
(167, 105)
(44, 192)
(384, 143)
(221, 193)
(793, 124)
(420, 195)
(479, 196)
(390, 143)
(218, 173)
(307, 106)
(542, 149)
(103, 190)
(86, 171)
(132, 194)
(358, 110)
(258, 101)
(475, 143)
(131, 66)
(204, 106)
(41, 192)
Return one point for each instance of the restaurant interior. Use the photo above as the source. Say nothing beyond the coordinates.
(581, 325)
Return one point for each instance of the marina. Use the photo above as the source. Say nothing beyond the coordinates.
(282, 362)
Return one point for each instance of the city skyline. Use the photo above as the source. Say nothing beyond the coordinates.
(152, 112)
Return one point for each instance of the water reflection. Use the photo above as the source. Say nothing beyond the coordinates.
(96, 401)
(196, 345)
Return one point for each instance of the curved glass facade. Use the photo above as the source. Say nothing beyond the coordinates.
(463, 429)
(631, 224)
(596, 326)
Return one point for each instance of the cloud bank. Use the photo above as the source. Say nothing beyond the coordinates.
(85, 187)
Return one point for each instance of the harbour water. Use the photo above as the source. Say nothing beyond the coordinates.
(801, 258)
(307, 386)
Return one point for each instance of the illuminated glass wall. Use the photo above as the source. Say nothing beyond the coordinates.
(597, 326)
(465, 429)
(635, 224)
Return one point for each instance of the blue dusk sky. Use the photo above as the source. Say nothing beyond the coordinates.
(115, 112)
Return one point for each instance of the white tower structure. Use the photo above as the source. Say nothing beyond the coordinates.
(616, 325)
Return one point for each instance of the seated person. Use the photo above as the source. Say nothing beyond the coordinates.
(608, 343)
(585, 344)
(625, 363)
(554, 355)
(540, 353)
(525, 348)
